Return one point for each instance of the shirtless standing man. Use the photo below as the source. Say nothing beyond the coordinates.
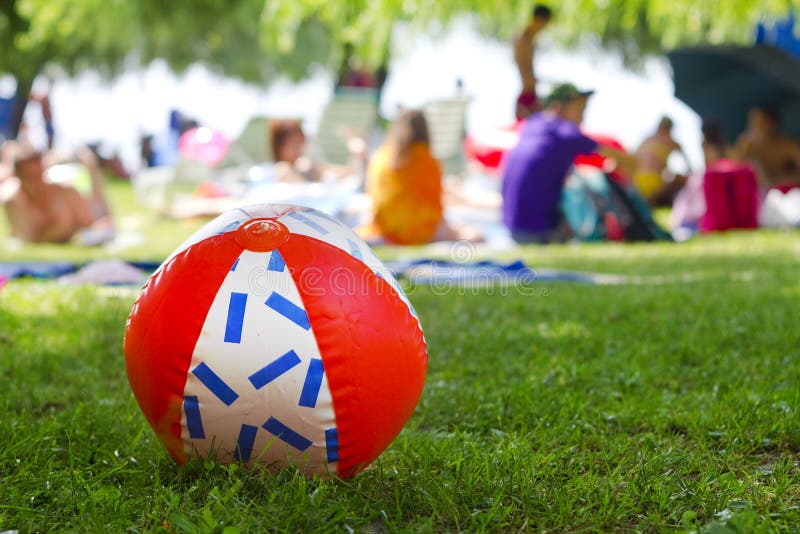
(651, 165)
(776, 157)
(42, 212)
(527, 102)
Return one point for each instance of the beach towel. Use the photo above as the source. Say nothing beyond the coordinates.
(107, 272)
(443, 274)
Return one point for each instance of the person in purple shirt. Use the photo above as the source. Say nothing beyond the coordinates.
(534, 171)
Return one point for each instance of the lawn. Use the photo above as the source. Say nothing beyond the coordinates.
(670, 401)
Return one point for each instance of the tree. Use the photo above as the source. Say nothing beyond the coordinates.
(257, 40)
(634, 27)
(35, 33)
(108, 35)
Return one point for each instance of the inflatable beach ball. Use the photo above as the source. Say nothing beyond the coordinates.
(274, 335)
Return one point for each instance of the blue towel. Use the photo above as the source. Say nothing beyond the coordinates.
(481, 273)
(35, 269)
(419, 271)
(46, 270)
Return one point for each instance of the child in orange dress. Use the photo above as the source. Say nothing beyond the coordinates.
(405, 184)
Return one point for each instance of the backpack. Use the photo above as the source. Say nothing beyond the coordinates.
(597, 208)
(731, 194)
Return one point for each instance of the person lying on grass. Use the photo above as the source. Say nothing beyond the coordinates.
(40, 211)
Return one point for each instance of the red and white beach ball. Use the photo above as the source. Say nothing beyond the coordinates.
(274, 335)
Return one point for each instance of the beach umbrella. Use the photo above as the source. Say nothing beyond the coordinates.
(725, 82)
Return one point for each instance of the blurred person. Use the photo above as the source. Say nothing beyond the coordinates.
(523, 44)
(353, 74)
(109, 160)
(652, 179)
(147, 152)
(775, 156)
(43, 212)
(690, 203)
(288, 146)
(714, 146)
(729, 188)
(404, 182)
(534, 170)
(722, 197)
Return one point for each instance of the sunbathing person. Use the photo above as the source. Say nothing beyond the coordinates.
(652, 177)
(288, 147)
(404, 182)
(776, 157)
(43, 212)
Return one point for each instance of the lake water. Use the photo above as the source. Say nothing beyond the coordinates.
(626, 105)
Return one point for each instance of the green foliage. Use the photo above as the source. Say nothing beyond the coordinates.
(364, 24)
(226, 37)
(69, 34)
(634, 27)
(256, 40)
(652, 26)
(78, 34)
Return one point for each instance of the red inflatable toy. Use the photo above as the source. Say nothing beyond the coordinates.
(274, 335)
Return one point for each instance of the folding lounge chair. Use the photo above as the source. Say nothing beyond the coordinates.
(251, 147)
(350, 113)
(446, 126)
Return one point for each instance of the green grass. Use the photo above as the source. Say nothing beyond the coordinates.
(669, 403)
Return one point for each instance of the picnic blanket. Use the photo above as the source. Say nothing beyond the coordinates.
(480, 273)
(423, 271)
(101, 272)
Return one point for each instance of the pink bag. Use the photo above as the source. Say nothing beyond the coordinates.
(731, 194)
